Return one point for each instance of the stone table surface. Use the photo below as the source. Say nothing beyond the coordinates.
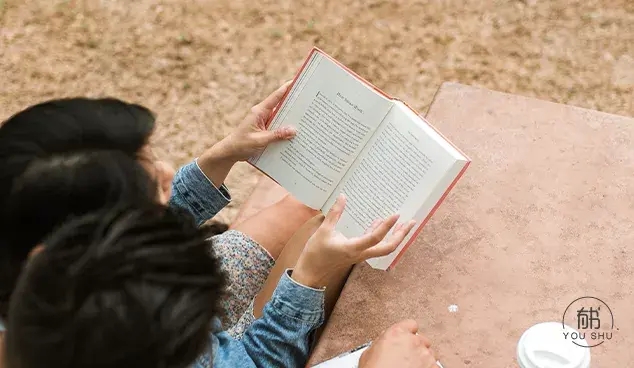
(544, 215)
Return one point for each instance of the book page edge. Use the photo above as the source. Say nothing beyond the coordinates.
(254, 161)
(467, 158)
(427, 218)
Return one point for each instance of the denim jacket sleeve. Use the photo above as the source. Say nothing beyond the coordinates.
(194, 192)
(280, 338)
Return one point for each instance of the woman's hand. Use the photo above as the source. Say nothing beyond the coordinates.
(247, 140)
(328, 251)
(400, 346)
(251, 136)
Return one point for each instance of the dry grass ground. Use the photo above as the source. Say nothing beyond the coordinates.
(201, 64)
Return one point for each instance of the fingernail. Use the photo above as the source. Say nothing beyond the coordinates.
(398, 226)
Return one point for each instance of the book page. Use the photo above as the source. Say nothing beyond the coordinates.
(335, 115)
(401, 170)
(346, 360)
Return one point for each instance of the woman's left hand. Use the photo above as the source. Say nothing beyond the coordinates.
(247, 140)
(251, 136)
(328, 252)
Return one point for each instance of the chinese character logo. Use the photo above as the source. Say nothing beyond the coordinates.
(590, 313)
(588, 319)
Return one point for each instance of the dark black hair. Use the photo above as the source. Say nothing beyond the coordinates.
(63, 158)
(124, 288)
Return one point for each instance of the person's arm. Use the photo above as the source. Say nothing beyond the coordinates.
(282, 336)
(194, 192)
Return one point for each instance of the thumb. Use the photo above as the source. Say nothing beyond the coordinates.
(280, 134)
(333, 216)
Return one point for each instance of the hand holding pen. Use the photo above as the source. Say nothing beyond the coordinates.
(400, 346)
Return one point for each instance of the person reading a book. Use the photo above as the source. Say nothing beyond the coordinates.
(137, 287)
(70, 156)
(94, 153)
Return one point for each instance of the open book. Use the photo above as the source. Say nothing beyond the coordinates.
(353, 138)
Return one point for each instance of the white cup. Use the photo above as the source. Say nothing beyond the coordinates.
(544, 346)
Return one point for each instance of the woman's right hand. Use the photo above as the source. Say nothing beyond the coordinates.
(400, 346)
(328, 251)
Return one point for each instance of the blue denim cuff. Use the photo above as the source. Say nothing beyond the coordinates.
(297, 301)
(193, 191)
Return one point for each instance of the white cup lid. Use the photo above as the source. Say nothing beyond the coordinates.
(544, 346)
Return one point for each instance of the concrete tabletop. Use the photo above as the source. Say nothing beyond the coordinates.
(543, 216)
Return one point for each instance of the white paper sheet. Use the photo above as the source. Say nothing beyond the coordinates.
(348, 360)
